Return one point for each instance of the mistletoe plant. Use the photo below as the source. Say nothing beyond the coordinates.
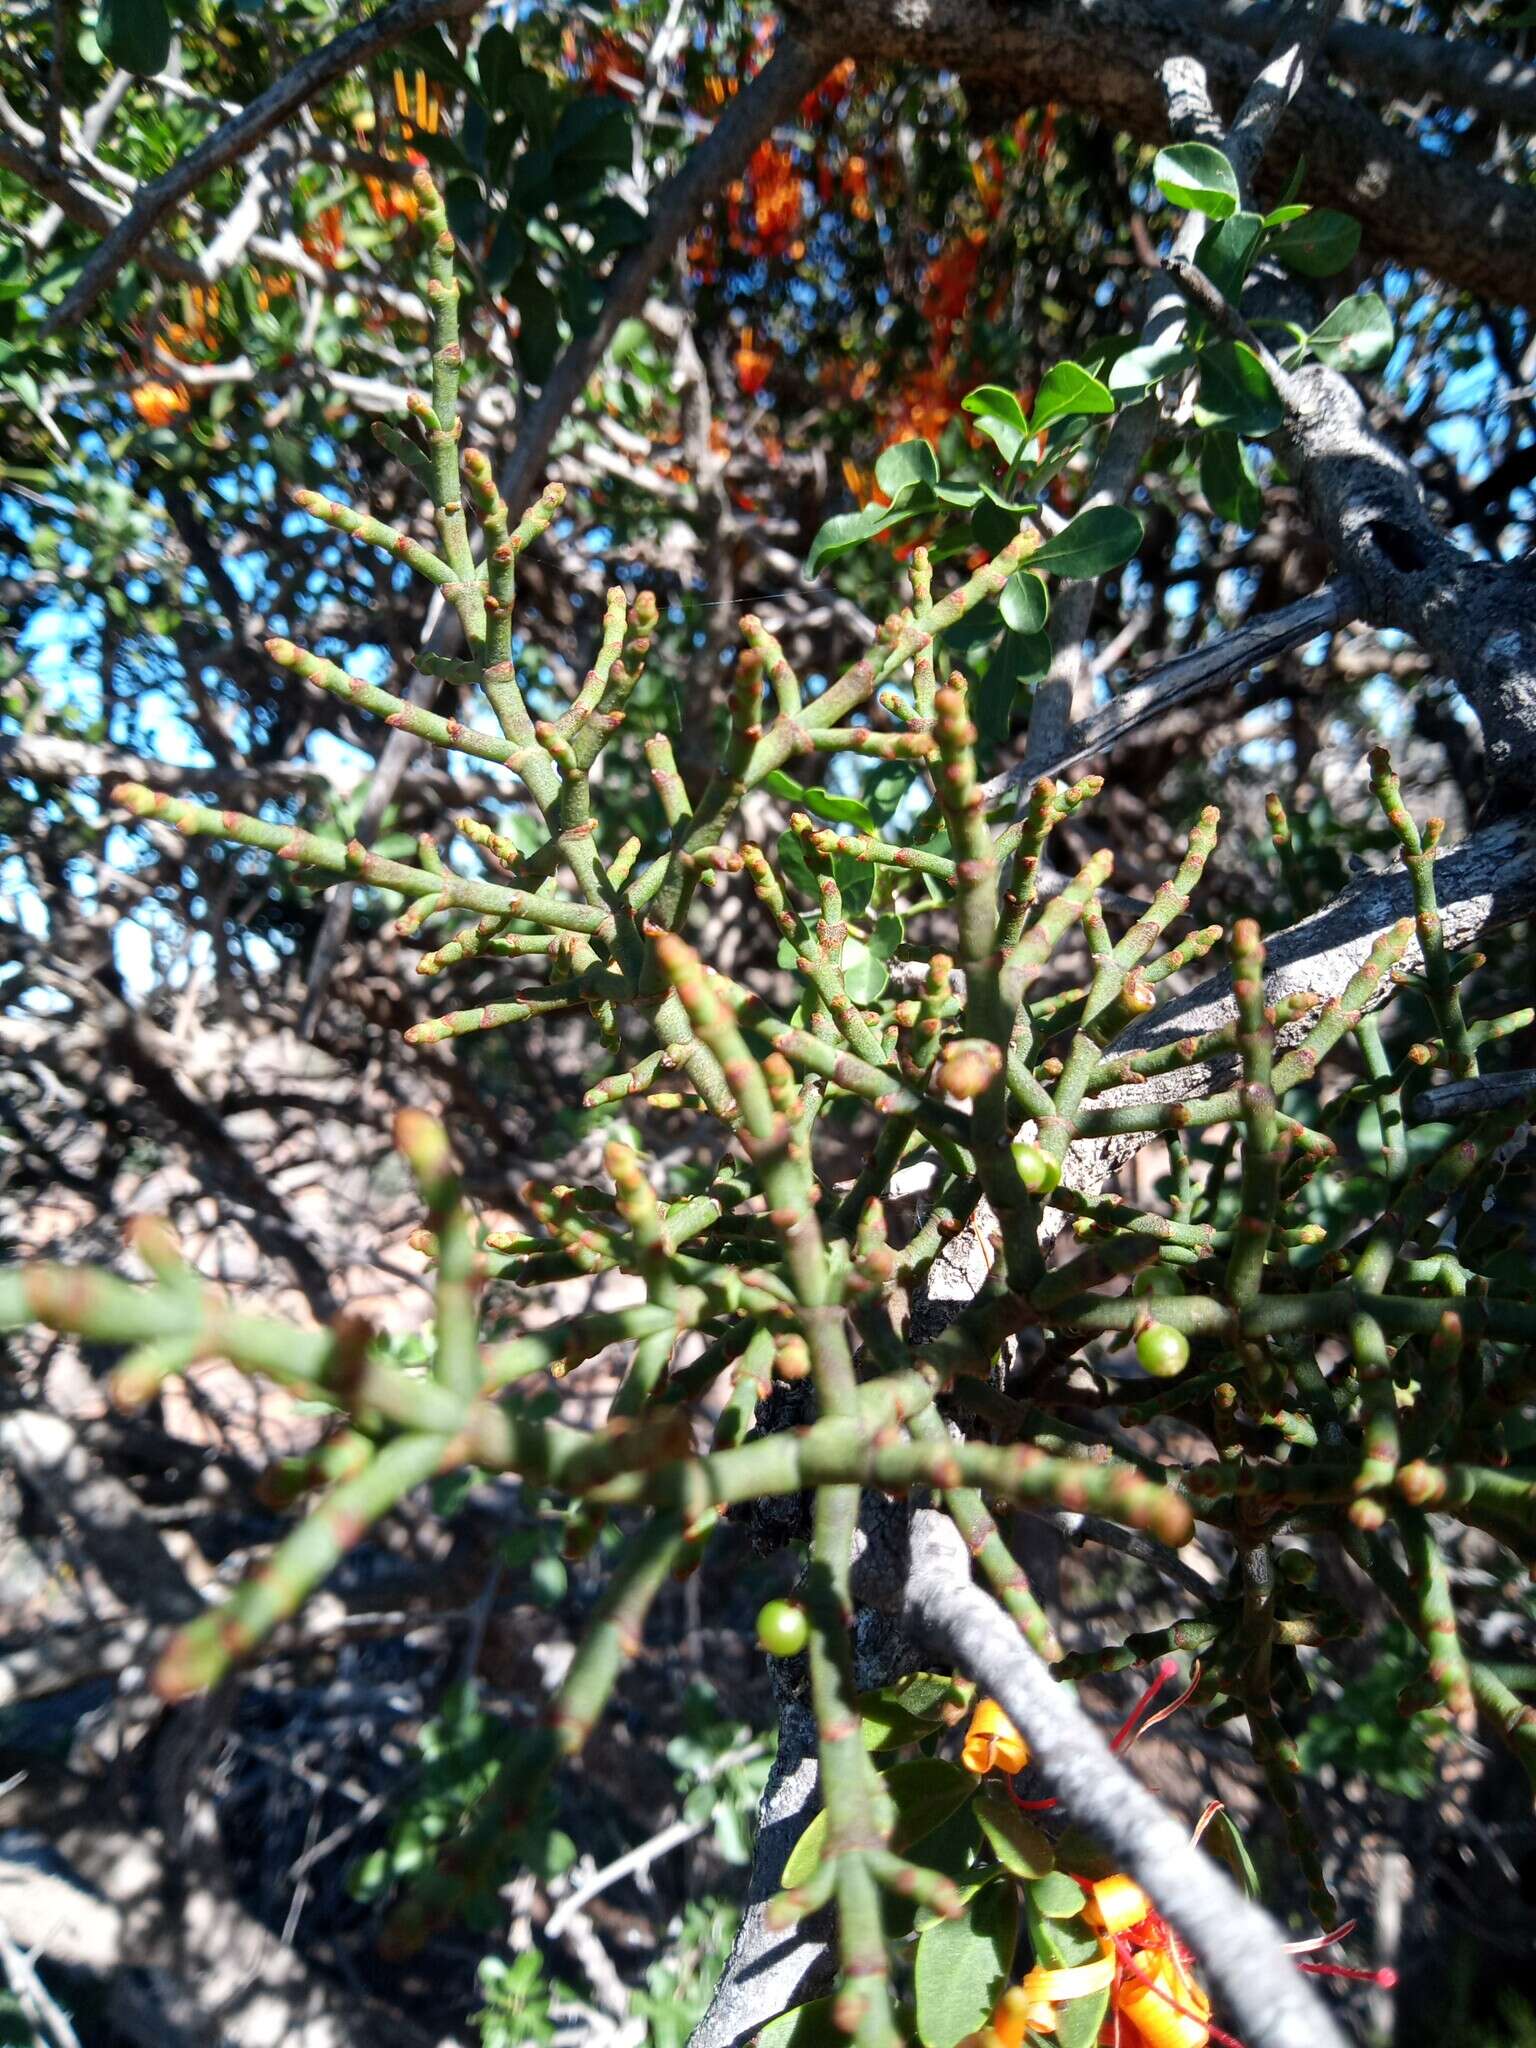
(1355, 1374)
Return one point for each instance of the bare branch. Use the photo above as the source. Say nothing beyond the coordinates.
(1189, 676)
(235, 139)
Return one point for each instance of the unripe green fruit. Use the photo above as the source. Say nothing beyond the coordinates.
(1296, 1567)
(1156, 1280)
(1162, 1351)
(782, 1628)
(1036, 1169)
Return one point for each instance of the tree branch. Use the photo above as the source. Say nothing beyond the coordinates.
(795, 66)
(1103, 59)
(1456, 71)
(236, 138)
(1189, 676)
(926, 1582)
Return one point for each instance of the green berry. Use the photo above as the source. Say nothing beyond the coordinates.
(782, 1628)
(1036, 1169)
(1162, 1351)
(1156, 1280)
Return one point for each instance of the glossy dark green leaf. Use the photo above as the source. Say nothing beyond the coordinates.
(962, 1966)
(538, 339)
(1317, 244)
(468, 214)
(992, 527)
(1227, 480)
(826, 803)
(995, 694)
(1356, 335)
(591, 136)
(1067, 389)
(846, 530)
(135, 35)
(1197, 177)
(999, 416)
(1235, 391)
(905, 464)
(1093, 543)
(1137, 369)
(1023, 602)
(1227, 250)
(500, 63)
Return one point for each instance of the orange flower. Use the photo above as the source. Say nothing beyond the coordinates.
(200, 306)
(392, 201)
(1116, 1904)
(752, 364)
(948, 283)
(704, 255)
(419, 104)
(827, 97)
(856, 186)
(1161, 1999)
(992, 1743)
(158, 404)
(610, 58)
(987, 173)
(324, 239)
(777, 200)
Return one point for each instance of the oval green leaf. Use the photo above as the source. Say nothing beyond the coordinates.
(1196, 176)
(1226, 251)
(1095, 542)
(848, 530)
(826, 803)
(1057, 1896)
(995, 401)
(962, 1966)
(1227, 481)
(905, 465)
(1058, 1944)
(1023, 602)
(1319, 243)
(1066, 389)
(1138, 368)
(1000, 417)
(924, 1793)
(804, 2026)
(135, 35)
(1356, 335)
(1016, 1842)
(1235, 391)
(806, 1855)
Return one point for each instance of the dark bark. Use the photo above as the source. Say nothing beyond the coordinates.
(1102, 57)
